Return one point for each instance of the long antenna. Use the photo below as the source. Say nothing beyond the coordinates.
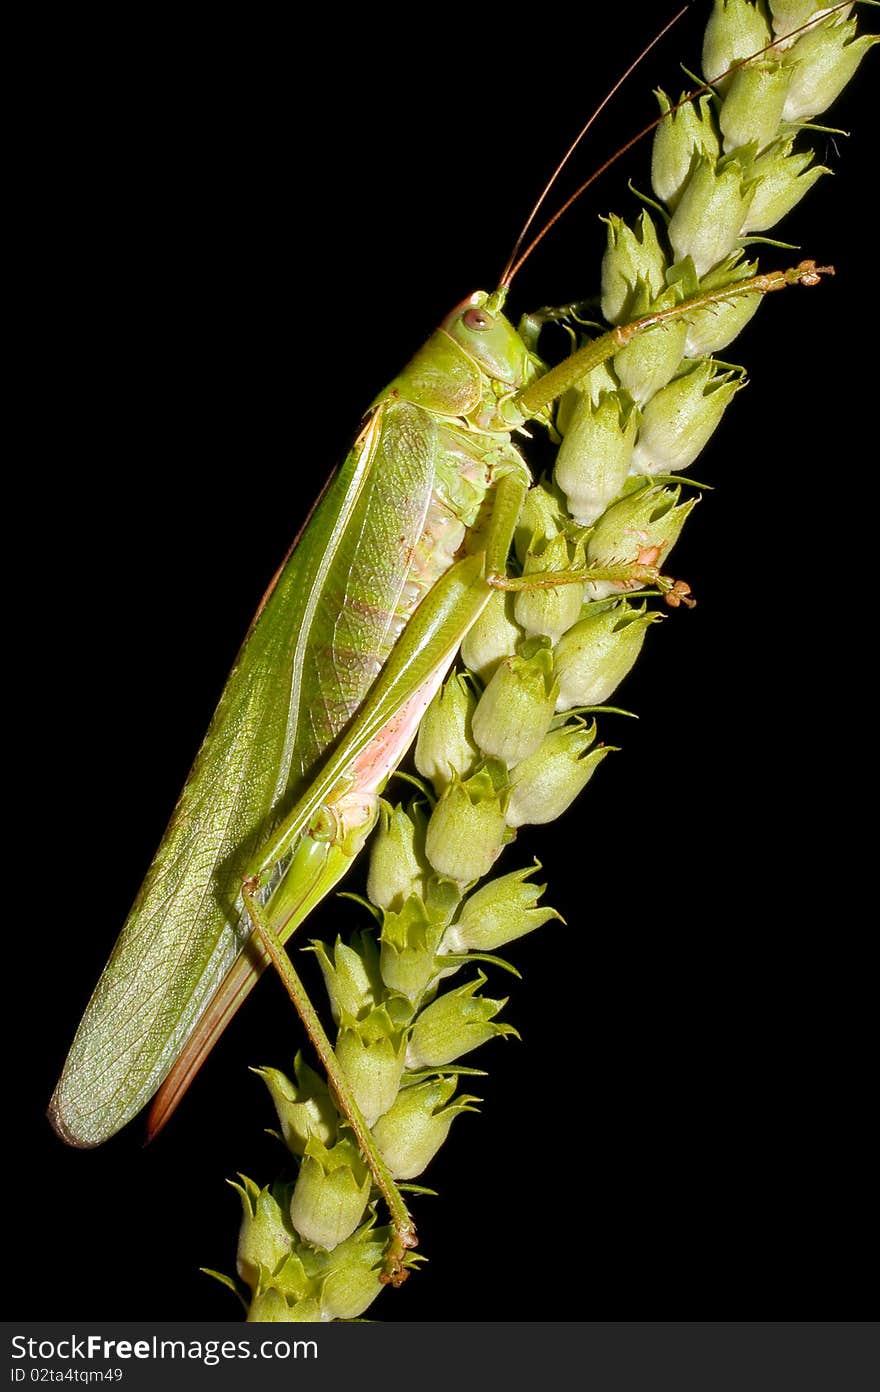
(511, 270)
(507, 274)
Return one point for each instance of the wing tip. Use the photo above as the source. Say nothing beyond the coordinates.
(63, 1129)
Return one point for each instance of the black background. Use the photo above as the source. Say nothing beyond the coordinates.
(237, 236)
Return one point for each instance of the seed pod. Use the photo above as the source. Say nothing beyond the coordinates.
(453, 1025)
(444, 744)
(304, 1108)
(596, 451)
(823, 60)
(706, 224)
(633, 268)
(781, 180)
(503, 910)
(493, 637)
(735, 31)
(595, 655)
(679, 420)
(548, 613)
(350, 1275)
(751, 112)
(331, 1193)
(352, 979)
(545, 785)
(398, 867)
(409, 946)
(266, 1237)
(688, 130)
(467, 828)
(370, 1054)
(514, 712)
(413, 1130)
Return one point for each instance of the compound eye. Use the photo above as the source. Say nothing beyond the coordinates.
(477, 319)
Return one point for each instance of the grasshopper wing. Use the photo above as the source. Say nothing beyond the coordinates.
(275, 720)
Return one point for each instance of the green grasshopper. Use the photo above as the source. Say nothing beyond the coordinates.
(362, 622)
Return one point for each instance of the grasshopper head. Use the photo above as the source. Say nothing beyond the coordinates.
(479, 327)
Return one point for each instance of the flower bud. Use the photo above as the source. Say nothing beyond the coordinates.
(736, 30)
(651, 359)
(593, 658)
(352, 979)
(397, 856)
(454, 1024)
(715, 326)
(305, 1109)
(752, 109)
(444, 744)
(781, 180)
(271, 1307)
(548, 613)
(791, 14)
(467, 829)
(351, 1274)
(410, 942)
(492, 637)
(645, 523)
(503, 910)
(823, 60)
(679, 420)
(411, 1133)
(594, 458)
(633, 269)
(545, 785)
(266, 1237)
(684, 132)
(515, 710)
(370, 1053)
(706, 224)
(331, 1192)
(542, 516)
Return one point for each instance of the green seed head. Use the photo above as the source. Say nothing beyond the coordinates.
(467, 828)
(266, 1237)
(331, 1193)
(370, 1053)
(409, 946)
(643, 527)
(398, 867)
(593, 658)
(514, 712)
(752, 108)
(350, 1275)
(545, 785)
(679, 420)
(411, 1133)
(780, 181)
(493, 637)
(684, 133)
(453, 1025)
(633, 269)
(503, 910)
(707, 223)
(444, 745)
(823, 60)
(548, 613)
(304, 1108)
(736, 30)
(595, 455)
(352, 978)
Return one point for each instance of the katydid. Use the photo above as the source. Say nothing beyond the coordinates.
(350, 644)
(353, 638)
